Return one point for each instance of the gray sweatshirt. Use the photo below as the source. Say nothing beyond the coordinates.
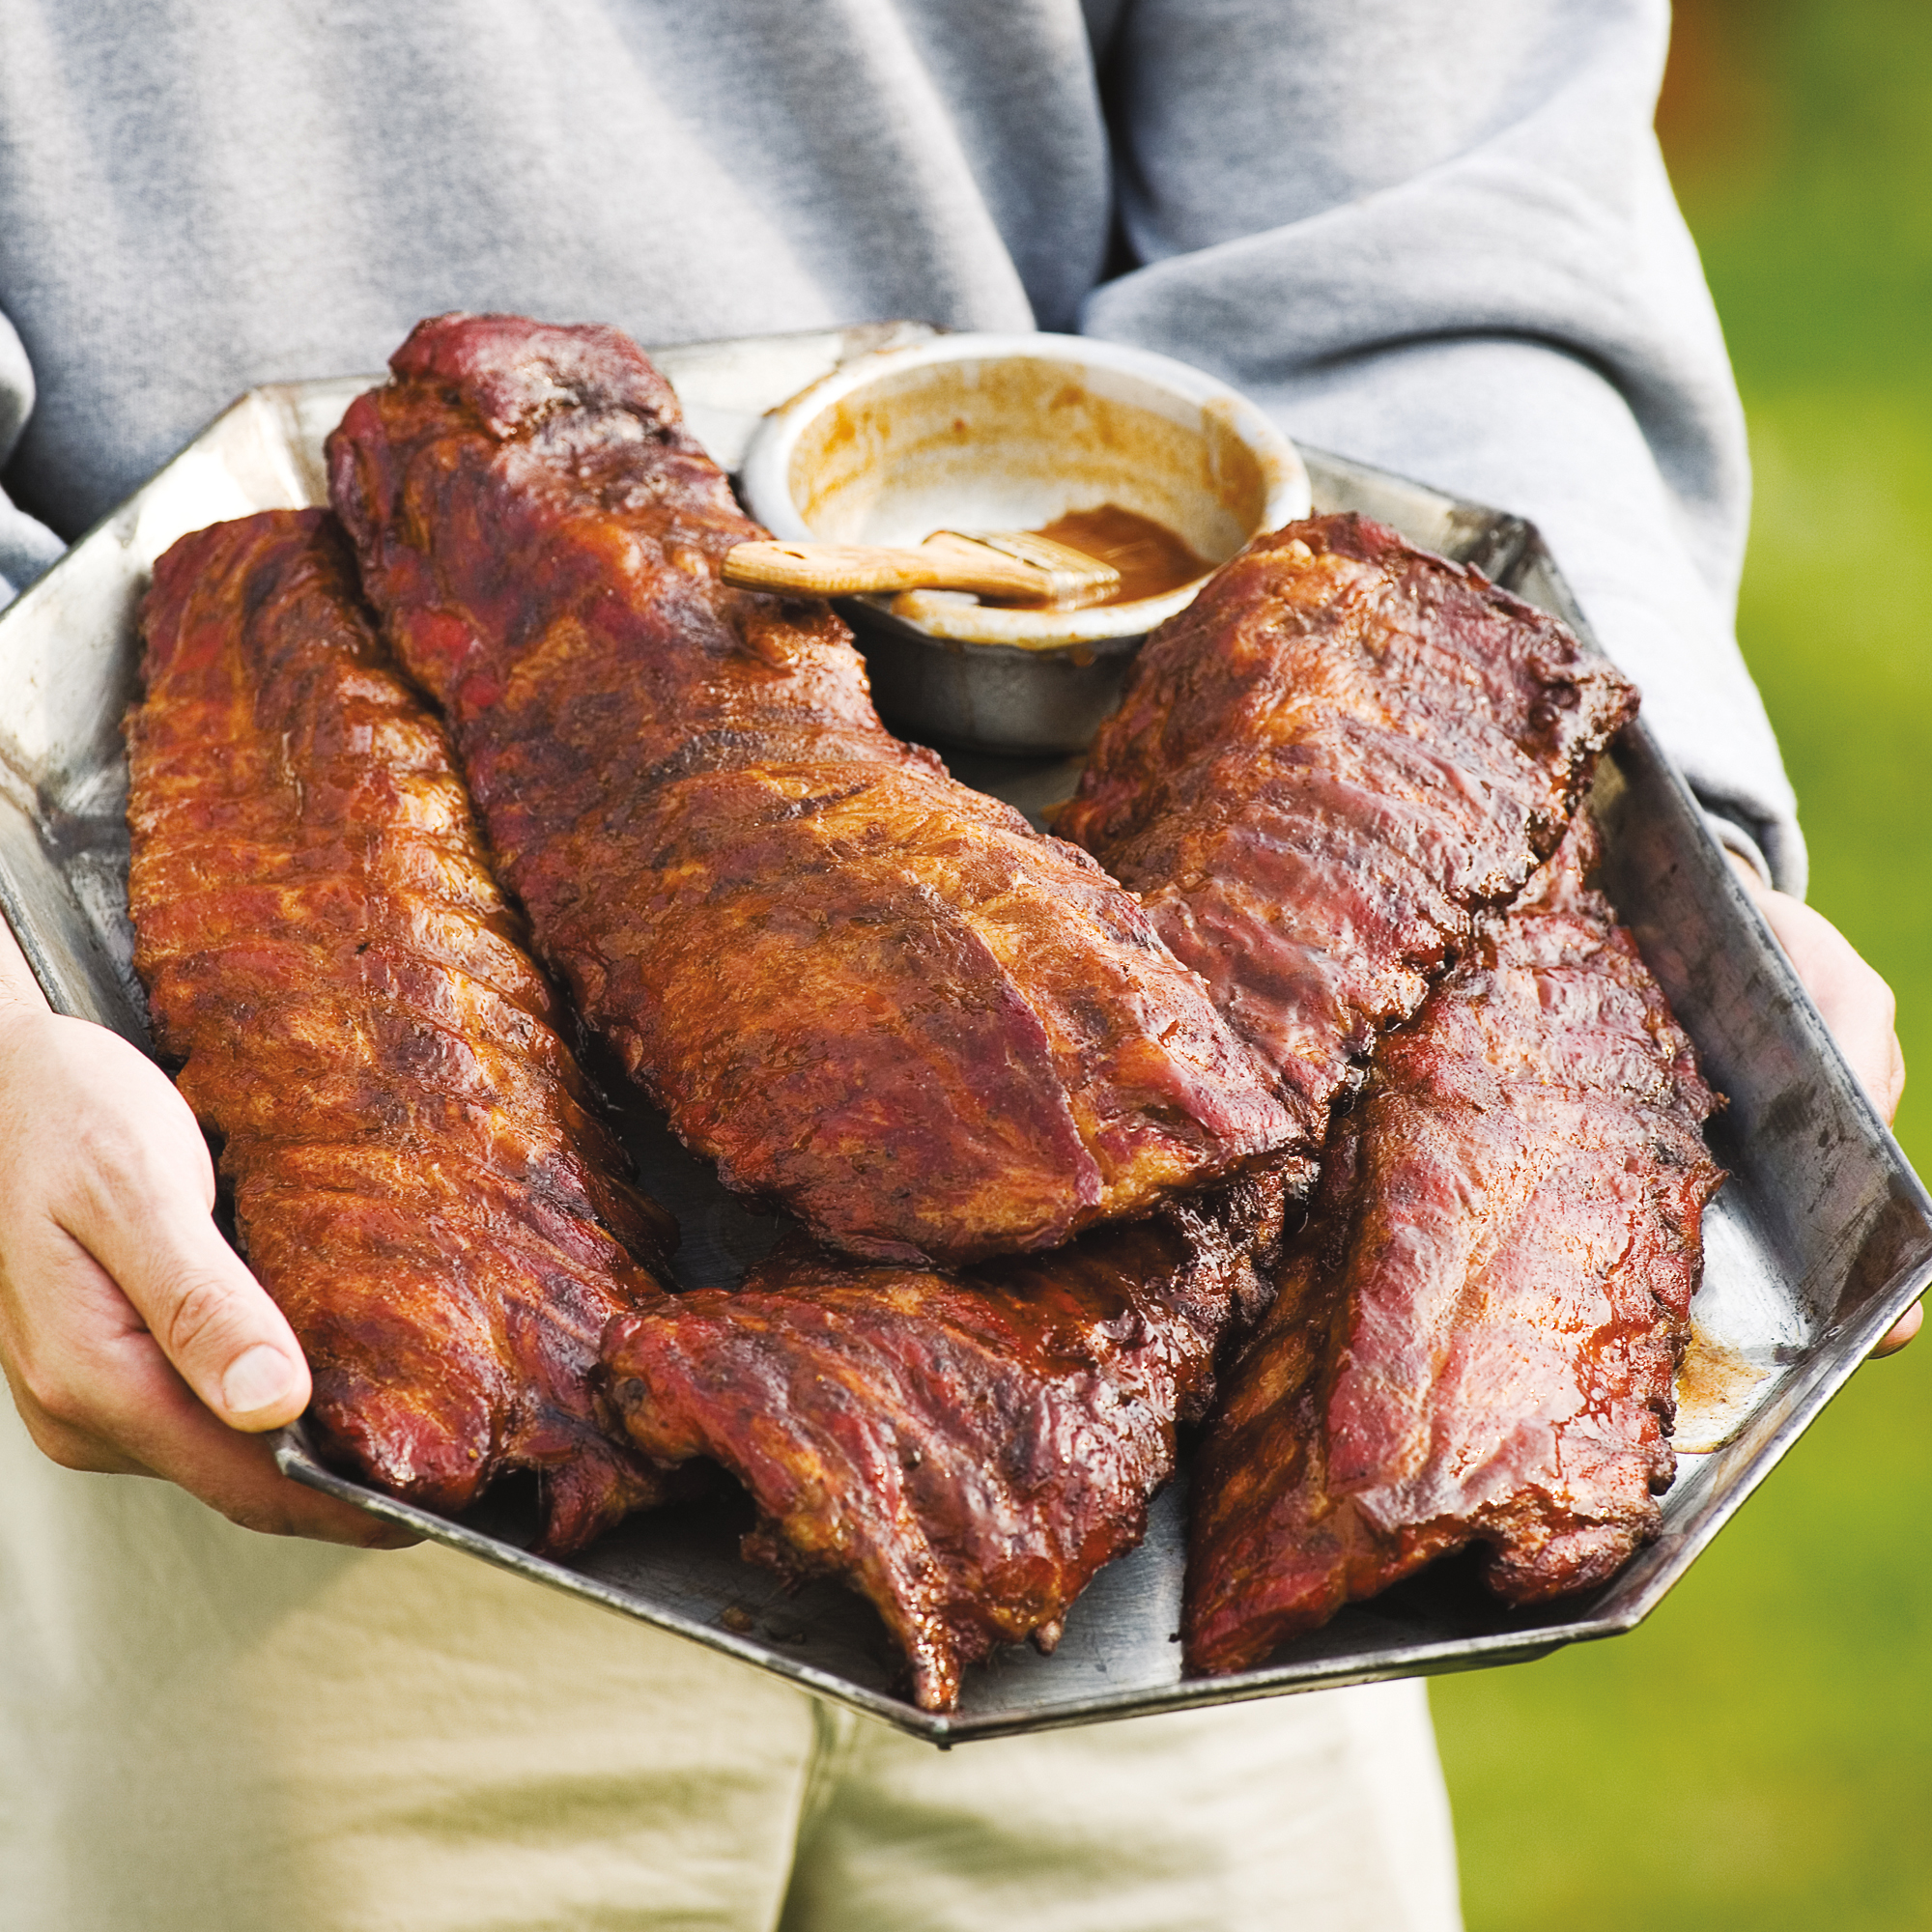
(1436, 237)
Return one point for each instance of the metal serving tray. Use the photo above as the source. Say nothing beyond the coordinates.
(1820, 1239)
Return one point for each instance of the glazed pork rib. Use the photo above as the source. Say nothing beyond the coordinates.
(1342, 752)
(966, 1451)
(1479, 1327)
(418, 1177)
(871, 995)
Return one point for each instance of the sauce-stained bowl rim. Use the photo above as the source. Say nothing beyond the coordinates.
(766, 481)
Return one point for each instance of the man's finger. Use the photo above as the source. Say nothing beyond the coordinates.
(134, 1189)
(96, 1395)
(1858, 1007)
(1900, 1332)
(153, 1415)
(1852, 999)
(69, 1445)
(213, 1320)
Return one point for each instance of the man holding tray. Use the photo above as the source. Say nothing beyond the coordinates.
(1450, 252)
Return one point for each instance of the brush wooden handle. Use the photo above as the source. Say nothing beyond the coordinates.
(943, 563)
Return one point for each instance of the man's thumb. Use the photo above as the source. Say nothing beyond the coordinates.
(214, 1321)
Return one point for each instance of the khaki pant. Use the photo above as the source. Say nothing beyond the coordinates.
(203, 1728)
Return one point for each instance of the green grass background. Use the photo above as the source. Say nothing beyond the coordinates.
(1759, 1754)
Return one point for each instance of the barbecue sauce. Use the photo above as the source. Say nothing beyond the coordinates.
(1150, 558)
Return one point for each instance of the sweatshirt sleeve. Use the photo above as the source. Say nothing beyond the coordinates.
(1443, 239)
(26, 547)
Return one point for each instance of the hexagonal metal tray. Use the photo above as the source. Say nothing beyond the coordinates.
(1820, 1239)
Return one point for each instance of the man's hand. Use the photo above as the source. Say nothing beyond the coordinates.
(133, 1338)
(1858, 1007)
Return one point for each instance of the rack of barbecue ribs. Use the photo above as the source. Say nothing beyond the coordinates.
(418, 1176)
(1343, 750)
(965, 1450)
(1479, 1327)
(869, 994)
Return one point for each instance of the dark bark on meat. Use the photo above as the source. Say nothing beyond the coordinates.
(1479, 1327)
(966, 1451)
(418, 1178)
(1342, 752)
(869, 994)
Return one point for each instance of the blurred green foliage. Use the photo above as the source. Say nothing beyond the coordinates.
(1757, 1755)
